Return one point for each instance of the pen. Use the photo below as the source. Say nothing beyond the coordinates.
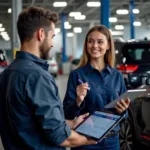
(81, 82)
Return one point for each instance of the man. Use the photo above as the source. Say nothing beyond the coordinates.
(31, 114)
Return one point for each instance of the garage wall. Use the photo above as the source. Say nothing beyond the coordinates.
(5, 44)
(140, 32)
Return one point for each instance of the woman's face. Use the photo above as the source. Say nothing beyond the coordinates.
(97, 45)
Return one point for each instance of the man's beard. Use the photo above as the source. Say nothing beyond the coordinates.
(44, 50)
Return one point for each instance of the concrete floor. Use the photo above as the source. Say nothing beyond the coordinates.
(61, 82)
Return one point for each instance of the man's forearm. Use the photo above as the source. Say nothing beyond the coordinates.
(75, 140)
(70, 123)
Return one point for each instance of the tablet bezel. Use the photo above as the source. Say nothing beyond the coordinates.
(104, 135)
(127, 94)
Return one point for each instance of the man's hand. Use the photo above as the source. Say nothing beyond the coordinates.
(79, 120)
(122, 105)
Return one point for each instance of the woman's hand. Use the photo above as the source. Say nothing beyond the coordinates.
(122, 105)
(81, 91)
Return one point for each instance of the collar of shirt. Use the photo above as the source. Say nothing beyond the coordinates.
(89, 68)
(26, 55)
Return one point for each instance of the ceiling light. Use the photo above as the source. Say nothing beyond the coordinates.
(112, 19)
(60, 4)
(77, 30)
(93, 4)
(136, 11)
(137, 23)
(73, 14)
(9, 10)
(1, 25)
(70, 34)
(2, 29)
(116, 32)
(68, 26)
(66, 23)
(80, 17)
(4, 33)
(6, 38)
(57, 30)
(122, 11)
(119, 27)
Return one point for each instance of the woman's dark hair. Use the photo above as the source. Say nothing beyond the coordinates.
(33, 19)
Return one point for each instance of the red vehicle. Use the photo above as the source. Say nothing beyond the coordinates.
(134, 62)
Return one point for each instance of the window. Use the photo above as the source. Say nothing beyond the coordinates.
(137, 53)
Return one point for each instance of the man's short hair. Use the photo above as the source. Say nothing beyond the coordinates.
(32, 19)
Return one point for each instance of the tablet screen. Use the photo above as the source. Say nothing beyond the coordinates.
(98, 124)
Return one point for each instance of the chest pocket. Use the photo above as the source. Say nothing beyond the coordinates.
(109, 94)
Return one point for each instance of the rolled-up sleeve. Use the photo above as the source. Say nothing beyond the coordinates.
(47, 109)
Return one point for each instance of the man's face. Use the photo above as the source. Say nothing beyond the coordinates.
(47, 43)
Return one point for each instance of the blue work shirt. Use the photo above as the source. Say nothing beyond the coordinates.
(31, 113)
(105, 86)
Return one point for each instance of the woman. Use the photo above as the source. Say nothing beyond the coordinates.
(102, 83)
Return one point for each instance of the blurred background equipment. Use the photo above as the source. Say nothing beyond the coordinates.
(135, 62)
(3, 61)
(74, 63)
(53, 66)
(135, 130)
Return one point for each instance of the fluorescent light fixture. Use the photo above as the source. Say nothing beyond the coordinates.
(1, 25)
(2, 29)
(136, 11)
(122, 11)
(119, 27)
(6, 38)
(57, 30)
(116, 32)
(112, 19)
(137, 23)
(116, 51)
(77, 30)
(4, 33)
(68, 26)
(93, 4)
(66, 23)
(60, 4)
(80, 17)
(73, 14)
(70, 34)
(9, 10)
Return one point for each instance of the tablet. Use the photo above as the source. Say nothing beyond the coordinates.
(132, 94)
(99, 124)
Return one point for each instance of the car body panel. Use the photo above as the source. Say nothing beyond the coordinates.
(53, 66)
(135, 130)
(135, 62)
(74, 63)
